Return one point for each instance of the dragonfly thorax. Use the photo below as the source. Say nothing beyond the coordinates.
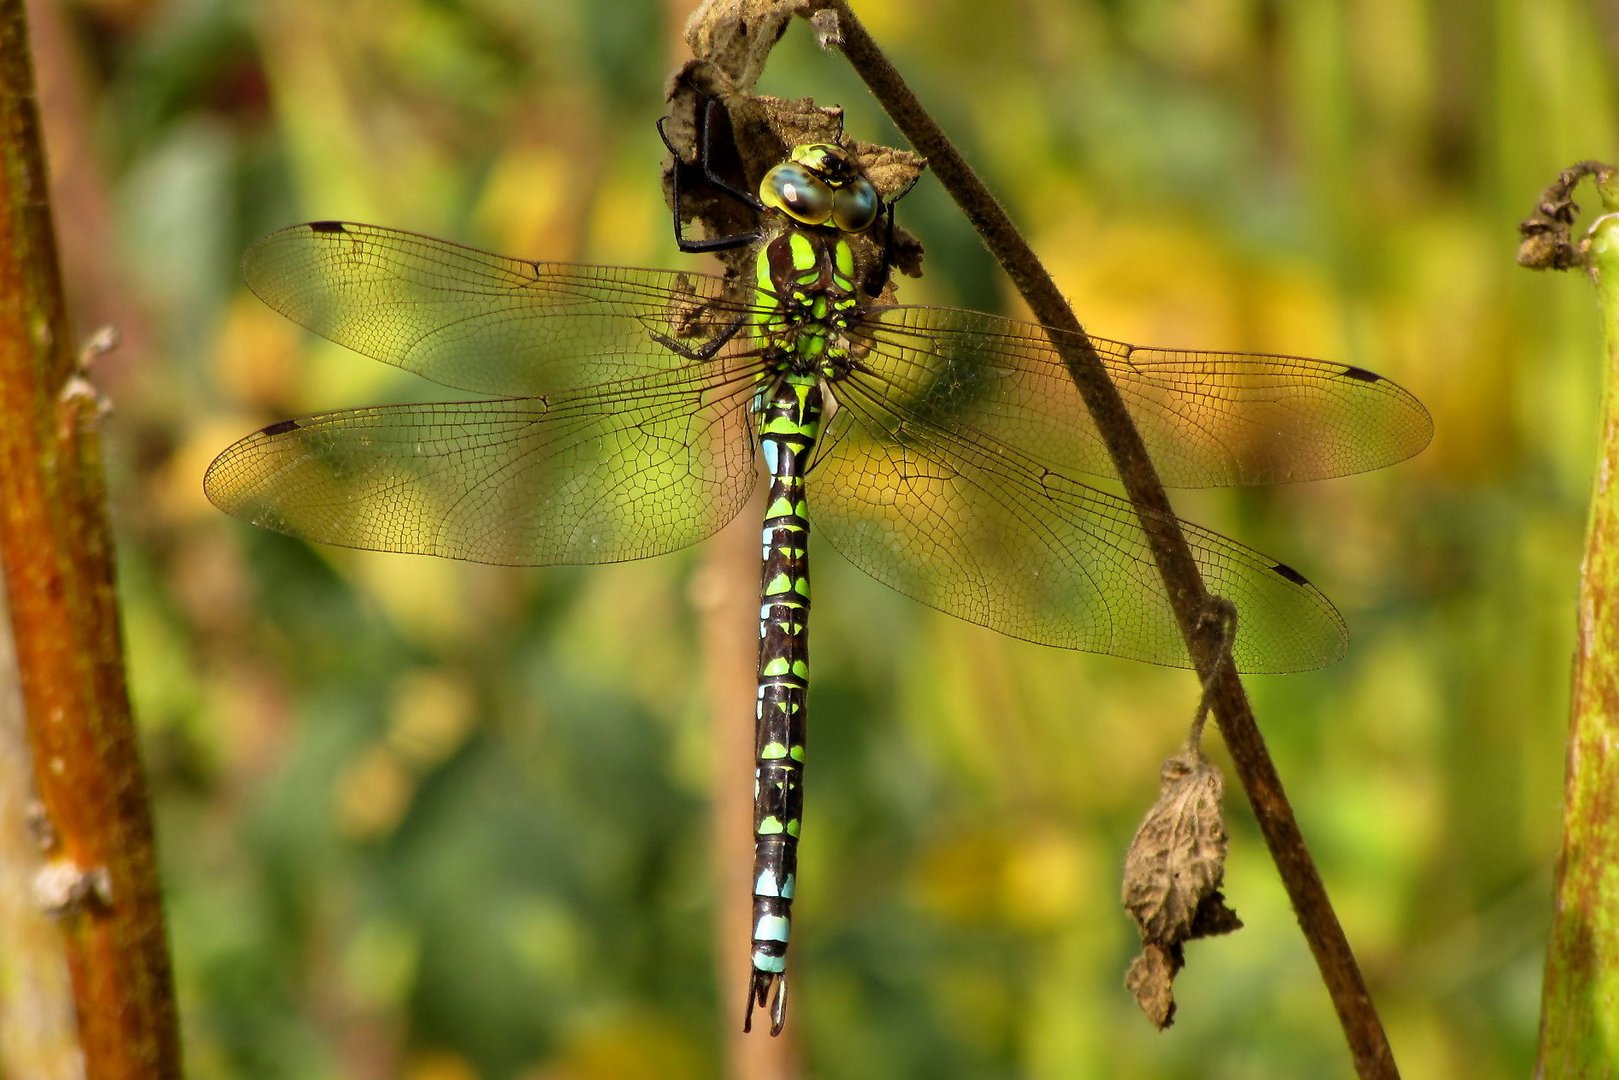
(808, 305)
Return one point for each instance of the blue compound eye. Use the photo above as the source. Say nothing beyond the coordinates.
(855, 207)
(797, 192)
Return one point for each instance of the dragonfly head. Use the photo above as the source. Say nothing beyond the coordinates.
(820, 184)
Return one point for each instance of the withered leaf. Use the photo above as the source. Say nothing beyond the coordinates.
(1172, 879)
(1150, 977)
(736, 36)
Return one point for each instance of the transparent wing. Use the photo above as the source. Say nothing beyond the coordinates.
(499, 325)
(627, 471)
(968, 525)
(624, 433)
(480, 322)
(1210, 419)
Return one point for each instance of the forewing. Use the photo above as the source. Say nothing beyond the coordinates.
(485, 323)
(628, 471)
(1209, 419)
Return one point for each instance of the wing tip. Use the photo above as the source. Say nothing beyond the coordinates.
(1291, 574)
(1311, 650)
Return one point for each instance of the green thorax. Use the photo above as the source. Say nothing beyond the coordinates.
(807, 303)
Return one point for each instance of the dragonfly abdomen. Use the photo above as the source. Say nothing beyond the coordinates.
(789, 422)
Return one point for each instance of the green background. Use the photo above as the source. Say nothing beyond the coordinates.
(437, 820)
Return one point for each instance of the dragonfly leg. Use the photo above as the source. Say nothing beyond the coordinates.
(877, 280)
(705, 165)
(705, 351)
(705, 157)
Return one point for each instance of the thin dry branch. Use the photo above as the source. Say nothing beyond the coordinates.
(839, 28)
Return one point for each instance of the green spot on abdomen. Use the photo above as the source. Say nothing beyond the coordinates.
(785, 426)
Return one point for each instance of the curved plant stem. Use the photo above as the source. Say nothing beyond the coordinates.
(1579, 1025)
(100, 877)
(1182, 581)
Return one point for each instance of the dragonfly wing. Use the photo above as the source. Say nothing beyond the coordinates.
(650, 467)
(1209, 419)
(480, 322)
(970, 526)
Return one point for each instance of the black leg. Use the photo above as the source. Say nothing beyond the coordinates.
(706, 350)
(704, 163)
(878, 281)
(705, 157)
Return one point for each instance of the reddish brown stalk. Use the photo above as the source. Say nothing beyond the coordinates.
(56, 550)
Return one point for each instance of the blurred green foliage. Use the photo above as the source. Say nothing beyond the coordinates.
(442, 820)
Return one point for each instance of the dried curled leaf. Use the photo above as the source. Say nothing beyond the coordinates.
(736, 36)
(1150, 978)
(1172, 878)
(1548, 242)
(1178, 854)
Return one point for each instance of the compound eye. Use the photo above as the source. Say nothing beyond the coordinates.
(831, 163)
(797, 192)
(855, 207)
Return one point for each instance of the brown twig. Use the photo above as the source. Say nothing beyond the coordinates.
(1182, 581)
(100, 877)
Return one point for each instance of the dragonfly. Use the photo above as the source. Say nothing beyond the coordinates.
(625, 413)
